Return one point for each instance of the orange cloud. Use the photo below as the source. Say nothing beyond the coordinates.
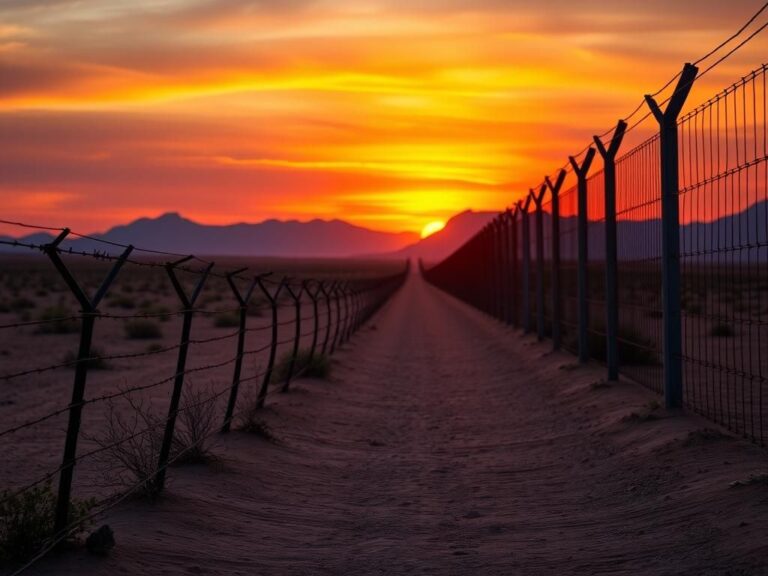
(382, 114)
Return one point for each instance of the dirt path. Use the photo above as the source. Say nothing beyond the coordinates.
(447, 444)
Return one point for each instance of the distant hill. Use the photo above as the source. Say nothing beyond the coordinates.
(441, 244)
(317, 238)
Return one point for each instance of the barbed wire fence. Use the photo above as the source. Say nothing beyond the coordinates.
(656, 264)
(263, 333)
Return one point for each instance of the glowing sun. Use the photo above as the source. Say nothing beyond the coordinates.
(432, 227)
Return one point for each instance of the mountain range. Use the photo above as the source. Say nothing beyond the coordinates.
(314, 239)
(637, 239)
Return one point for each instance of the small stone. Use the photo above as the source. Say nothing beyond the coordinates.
(101, 541)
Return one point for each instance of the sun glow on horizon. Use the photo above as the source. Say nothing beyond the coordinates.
(432, 227)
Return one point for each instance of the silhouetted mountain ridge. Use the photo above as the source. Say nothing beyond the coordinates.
(171, 232)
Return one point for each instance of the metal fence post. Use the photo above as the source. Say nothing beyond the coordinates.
(670, 226)
(90, 312)
(296, 297)
(538, 200)
(313, 296)
(515, 269)
(242, 300)
(526, 275)
(611, 250)
(327, 293)
(554, 189)
(336, 290)
(507, 282)
(181, 363)
(581, 171)
(272, 299)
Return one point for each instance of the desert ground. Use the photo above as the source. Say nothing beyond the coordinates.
(446, 443)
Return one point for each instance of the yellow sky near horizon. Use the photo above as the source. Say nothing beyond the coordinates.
(386, 114)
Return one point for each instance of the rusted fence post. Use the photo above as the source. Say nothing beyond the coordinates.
(582, 171)
(89, 309)
(188, 302)
(670, 227)
(242, 301)
(336, 292)
(611, 250)
(554, 190)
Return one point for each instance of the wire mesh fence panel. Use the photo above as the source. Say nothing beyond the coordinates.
(724, 256)
(638, 212)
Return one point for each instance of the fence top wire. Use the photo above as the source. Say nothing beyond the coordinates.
(702, 73)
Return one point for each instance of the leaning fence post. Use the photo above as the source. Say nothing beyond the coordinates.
(538, 200)
(611, 251)
(336, 289)
(242, 300)
(327, 293)
(313, 296)
(90, 312)
(526, 276)
(296, 297)
(554, 189)
(181, 362)
(272, 298)
(670, 235)
(581, 172)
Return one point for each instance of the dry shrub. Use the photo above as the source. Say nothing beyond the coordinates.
(195, 426)
(131, 446)
(251, 422)
(27, 520)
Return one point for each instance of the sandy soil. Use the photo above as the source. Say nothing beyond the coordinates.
(447, 444)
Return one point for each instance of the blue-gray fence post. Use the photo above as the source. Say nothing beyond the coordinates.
(515, 269)
(526, 275)
(581, 171)
(538, 200)
(670, 236)
(611, 250)
(554, 189)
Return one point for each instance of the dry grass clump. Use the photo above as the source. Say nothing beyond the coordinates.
(27, 519)
(195, 426)
(143, 329)
(58, 320)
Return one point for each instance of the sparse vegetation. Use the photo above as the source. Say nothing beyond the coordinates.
(317, 366)
(226, 319)
(122, 301)
(26, 522)
(131, 446)
(195, 426)
(143, 329)
(251, 422)
(94, 362)
(58, 321)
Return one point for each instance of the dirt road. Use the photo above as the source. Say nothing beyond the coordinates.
(446, 443)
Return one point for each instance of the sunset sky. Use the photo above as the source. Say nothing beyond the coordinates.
(388, 114)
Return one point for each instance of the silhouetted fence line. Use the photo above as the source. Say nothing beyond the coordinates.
(656, 264)
(306, 319)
